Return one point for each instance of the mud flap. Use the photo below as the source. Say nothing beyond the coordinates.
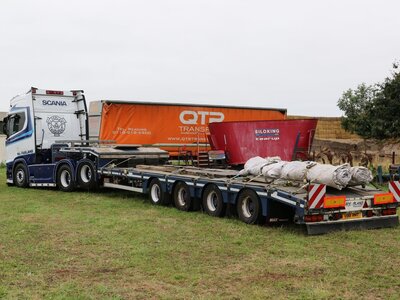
(371, 223)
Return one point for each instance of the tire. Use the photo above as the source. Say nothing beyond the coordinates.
(65, 179)
(86, 175)
(249, 207)
(213, 203)
(20, 176)
(156, 194)
(182, 197)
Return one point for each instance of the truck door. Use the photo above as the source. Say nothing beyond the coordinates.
(19, 132)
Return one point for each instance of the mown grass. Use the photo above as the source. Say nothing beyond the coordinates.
(115, 245)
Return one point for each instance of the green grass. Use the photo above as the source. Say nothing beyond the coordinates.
(115, 245)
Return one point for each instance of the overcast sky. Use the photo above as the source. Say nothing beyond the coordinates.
(299, 55)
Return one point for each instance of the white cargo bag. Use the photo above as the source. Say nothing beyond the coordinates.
(334, 176)
(360, 176)
(296, 170)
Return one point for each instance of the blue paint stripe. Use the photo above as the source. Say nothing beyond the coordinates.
(20, 137)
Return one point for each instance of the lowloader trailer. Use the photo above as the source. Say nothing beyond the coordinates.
(47, 146)
(319, 208)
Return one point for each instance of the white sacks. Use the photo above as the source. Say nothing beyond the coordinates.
(296, 170)
(256, 165)
(334, 176)
(274, 170)
(360, 175)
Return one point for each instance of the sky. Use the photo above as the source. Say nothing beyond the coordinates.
(298, 55)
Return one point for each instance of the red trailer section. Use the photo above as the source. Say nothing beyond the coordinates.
(243, 140)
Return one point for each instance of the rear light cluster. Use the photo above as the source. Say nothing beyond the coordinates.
(313, 218)
(389, 211)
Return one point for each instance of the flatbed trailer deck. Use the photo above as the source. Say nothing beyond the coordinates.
(256, 200)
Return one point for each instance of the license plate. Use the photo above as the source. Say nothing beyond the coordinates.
(352, 215)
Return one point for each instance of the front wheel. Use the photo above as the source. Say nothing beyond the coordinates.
(20, 176)
(249, 207)
(65, 180)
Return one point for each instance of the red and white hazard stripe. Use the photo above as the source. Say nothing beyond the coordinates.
(316, 195)
(394, 188)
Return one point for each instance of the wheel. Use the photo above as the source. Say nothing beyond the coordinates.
(65, 180)
(248, 207)
(156, 194)
(182, 197)
(20, 177)
(213, 202)
(86, 176)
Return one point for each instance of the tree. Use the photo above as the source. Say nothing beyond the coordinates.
(373, 111)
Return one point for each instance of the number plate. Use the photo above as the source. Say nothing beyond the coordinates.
(352, 215)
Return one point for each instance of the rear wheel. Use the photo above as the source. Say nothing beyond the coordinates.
(20, 176)
(213, 202)
(156, 194)
(249, 207)
(65, 180)
(86, 175)
(182, 197)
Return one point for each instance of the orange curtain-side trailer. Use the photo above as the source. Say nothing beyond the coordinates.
(168, 126)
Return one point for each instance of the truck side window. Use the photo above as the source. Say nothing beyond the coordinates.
(16, 123)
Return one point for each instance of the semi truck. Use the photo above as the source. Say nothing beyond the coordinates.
(47, 146)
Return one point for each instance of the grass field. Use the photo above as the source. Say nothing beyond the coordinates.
(115, 245)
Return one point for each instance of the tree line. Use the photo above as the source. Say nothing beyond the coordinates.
(373, 111)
